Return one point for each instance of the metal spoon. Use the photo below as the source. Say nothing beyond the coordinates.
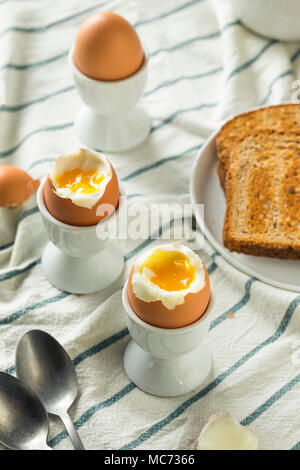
(23, 419)
(43, 364)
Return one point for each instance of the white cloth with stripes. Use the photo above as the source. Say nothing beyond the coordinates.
(204, 67)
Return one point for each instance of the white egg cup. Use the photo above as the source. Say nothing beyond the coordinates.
(167, 362)
(111, 121)
(76, 260)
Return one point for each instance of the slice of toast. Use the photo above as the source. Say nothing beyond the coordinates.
(284, 117)
(263, 196)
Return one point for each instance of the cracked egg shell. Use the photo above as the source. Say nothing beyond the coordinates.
(16, 186)
(64, 210)
(224, 432)
(156, 314)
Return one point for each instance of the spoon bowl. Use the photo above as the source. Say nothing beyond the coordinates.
(23, 419)
(42, 363)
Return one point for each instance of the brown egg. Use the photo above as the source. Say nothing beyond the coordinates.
(107, 48)
(16, 186)
(66, 211)
(156, 314)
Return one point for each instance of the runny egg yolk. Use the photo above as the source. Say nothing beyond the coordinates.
(79, 180)
(172, 270)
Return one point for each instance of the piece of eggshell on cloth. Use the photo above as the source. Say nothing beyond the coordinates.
(64, 210)
(156, 314)
(16, 186)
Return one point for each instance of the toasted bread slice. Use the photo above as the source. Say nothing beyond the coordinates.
(263, 196)
(284, 117)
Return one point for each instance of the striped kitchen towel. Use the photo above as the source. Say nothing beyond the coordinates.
(204, 66)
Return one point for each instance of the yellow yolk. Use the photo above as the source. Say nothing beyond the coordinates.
(172, 270)
(77, 179)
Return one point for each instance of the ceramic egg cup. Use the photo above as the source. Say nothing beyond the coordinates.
(167, 362)
(111, 120)
(76, 260)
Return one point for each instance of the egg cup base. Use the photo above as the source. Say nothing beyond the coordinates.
(112, 133)
(83, 275)
(167, 377)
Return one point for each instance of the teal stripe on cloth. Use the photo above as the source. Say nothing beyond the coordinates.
(39, 63)
(41, 161)
(39, 29)
(91, 411)
(204, 37)
(279, 77)
(173, 116)
(295, 55)
(100, 347)
(6, 246)
(2, 2)
(23, 216)
(219, 379)
(28, 213)
(13, 149)
(168, 13)
(42, 99)
(185, 43)
(212, 268)
(273, 399)
(245, 299)
(182, 78)
(149, 240)
(20, 313)
(250, 62)
(17, 271)
(160, 162)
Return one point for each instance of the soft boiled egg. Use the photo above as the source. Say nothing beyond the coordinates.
(82, 188)
(169, 287)
(107, 47)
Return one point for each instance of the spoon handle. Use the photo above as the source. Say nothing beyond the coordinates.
(72, 431)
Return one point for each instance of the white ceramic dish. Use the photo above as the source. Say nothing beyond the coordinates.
(278, 19)
(205, 189)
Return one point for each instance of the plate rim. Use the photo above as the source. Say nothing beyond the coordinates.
(207, 233)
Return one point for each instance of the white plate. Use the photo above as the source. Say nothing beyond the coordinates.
(205, 189)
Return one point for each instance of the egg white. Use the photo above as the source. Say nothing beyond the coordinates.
(86, 160)
(145, 290)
